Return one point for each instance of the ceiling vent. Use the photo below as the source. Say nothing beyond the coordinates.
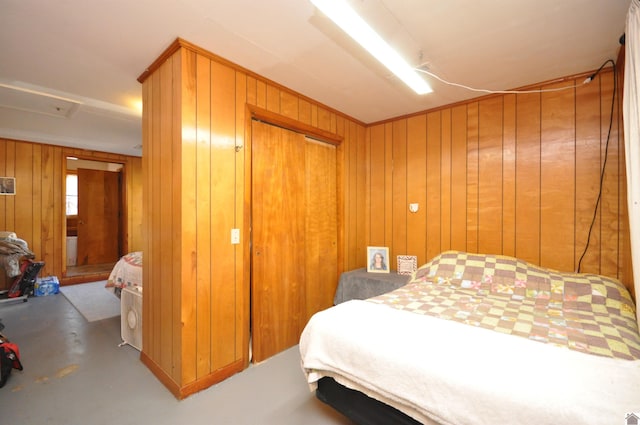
(24, 99)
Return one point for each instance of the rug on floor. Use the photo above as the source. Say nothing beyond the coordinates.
(92, 300)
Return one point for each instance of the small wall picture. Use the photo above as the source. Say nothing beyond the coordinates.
(378, 259)
(7, 185)
(407, 264)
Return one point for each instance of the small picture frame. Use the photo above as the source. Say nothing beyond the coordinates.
(378, 259)
(7, 185)
(407, 264)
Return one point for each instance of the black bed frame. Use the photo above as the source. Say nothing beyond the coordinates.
(360, 408)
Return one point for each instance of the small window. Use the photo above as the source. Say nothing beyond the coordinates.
(72, 194)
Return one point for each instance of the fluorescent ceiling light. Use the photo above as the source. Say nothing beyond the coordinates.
(351, 23)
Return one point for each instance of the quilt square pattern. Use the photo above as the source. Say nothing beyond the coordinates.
(584, 312)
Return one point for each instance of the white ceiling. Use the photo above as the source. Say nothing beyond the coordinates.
(86, 55)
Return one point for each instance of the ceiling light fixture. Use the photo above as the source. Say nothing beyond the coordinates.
(351, 23)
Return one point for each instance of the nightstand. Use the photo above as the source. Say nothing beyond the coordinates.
(359, 284)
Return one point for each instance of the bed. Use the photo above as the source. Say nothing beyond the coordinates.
(127, 273)
(480, 339)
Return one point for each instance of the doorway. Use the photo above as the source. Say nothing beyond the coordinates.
(93, 205)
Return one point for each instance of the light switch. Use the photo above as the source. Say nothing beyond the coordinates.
(235, 236)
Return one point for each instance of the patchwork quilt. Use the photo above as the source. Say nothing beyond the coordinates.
(583, 312)
(127, 273)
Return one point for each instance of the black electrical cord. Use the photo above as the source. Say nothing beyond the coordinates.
(606, 154)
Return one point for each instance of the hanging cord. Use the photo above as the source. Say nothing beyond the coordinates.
(606, 154)
(442, 80)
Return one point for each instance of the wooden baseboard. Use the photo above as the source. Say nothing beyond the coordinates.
(83, 278)
(184, 391)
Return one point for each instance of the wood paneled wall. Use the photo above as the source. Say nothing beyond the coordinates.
(197, 110)
(36, 212)
(513, 174)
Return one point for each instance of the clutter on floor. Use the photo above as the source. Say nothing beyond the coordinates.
(17, 261)
(9, 359)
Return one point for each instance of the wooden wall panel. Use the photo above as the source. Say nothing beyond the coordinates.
(399, 208)
(304, 111)
(197, 141)
(417, 186)
(513, 174)
(289, 105)
(134, 191)
(242, 276)
(490, 179)
(473, 175)
(36, 212)
(272, 99)
(612, 197)
(376, 186)
(588, 163)
(149, 100)
(25, 174)
(203, 173)
(10, 169)
(36, 197)
(151, 208)
(178, 206)
(458, 178)
(434, 178)
(509, 175)
(557, 172)
(445, 181)
(3, 199)
(490, 175)
(3, 208)
(47, 207)
(528, 177)
(223, 192)
(357, 258)
(350, 192)
(387, 193)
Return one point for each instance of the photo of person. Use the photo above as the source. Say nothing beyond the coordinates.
(377, 262)
(7, 186)
(377, 259)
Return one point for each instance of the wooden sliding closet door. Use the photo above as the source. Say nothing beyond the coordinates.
(321, 226)
(294, 235)
(277, 232)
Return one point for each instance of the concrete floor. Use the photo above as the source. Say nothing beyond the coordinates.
(75, 374)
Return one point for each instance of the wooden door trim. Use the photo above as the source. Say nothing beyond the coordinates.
(293, 125)
(98, 157)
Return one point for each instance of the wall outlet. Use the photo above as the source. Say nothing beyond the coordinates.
(235, 236)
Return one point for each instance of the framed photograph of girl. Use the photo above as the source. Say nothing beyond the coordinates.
(378, 259)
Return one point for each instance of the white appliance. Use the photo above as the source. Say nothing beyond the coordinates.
(131, 317)
(72, 250)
